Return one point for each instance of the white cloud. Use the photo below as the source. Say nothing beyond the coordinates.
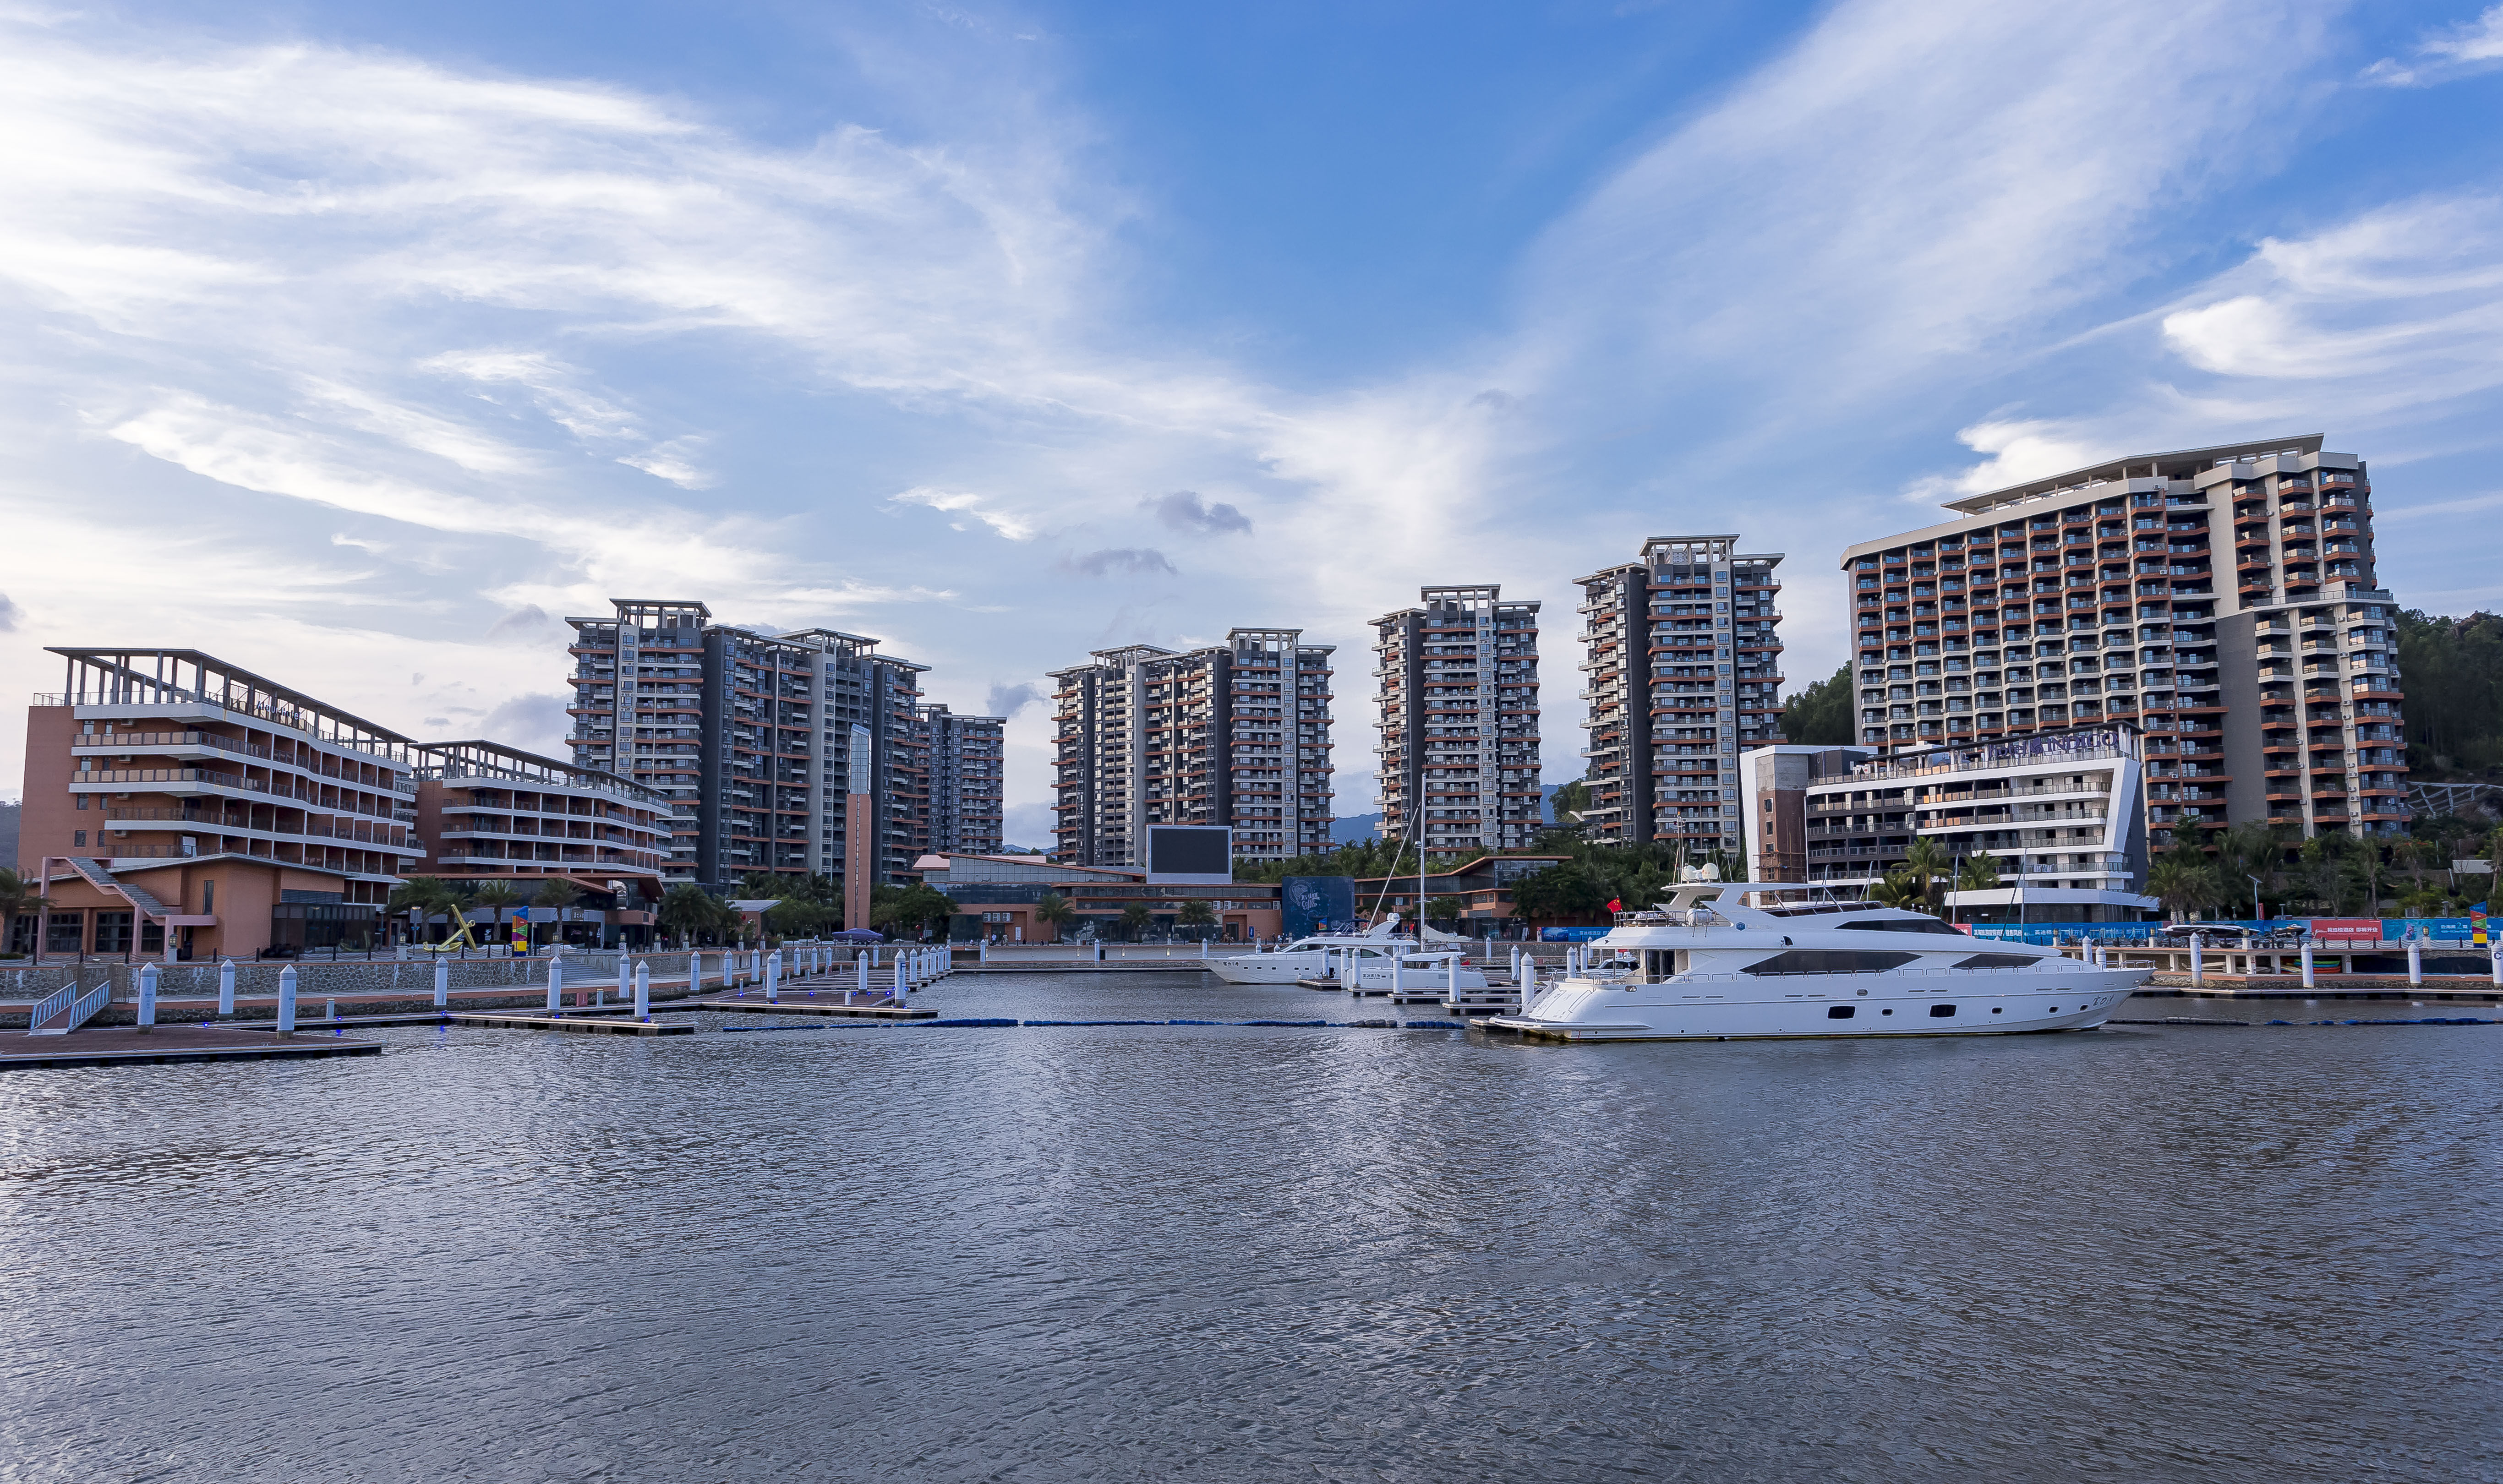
(2472, 47)
(671, 461)
(1016, 528)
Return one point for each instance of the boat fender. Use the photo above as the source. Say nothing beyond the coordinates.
(1786, 942)
(1742, 927)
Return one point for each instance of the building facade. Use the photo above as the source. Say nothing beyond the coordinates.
(2223, 601)
(2059, 814)
(486, 812)
(750, 736)
(1457, 692)
(179, 806)
(997, 897)
(968, 788)
(1682, 647)
(1233, 734)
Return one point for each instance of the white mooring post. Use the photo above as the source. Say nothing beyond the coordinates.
(225, 989)
(695, 972)
(287, 1001)
(2307, 964)
(982, 949)
(2198, 963)
(2494, 957)
(1529, 984)
(899, 989)
(147, 996)
(2416, 963)
(556, 986)
(773, 980)
(1452, 980)
(643, 991)
(442, 983)
(624, 979)
(1203, 950)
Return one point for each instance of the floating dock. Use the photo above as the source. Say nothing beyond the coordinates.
(587, 1023)
(826, 1006)
(117, 1045)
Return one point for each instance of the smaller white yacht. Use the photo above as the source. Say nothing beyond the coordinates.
(1727, 961)
(1428, 975)
(1313, 957)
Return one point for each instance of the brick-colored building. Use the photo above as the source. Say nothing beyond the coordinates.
(178, 804)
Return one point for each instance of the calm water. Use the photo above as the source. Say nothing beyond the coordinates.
(1129, 1253)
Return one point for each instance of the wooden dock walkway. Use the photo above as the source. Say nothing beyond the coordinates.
(116, 1045)
(590, 1023)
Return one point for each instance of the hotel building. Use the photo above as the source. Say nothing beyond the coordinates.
(1458, 680)
(1233, 734)
(2059, 813)
(750, 735)
(178, 803)
(1683, 651)
(486, 811)
(2223, 601)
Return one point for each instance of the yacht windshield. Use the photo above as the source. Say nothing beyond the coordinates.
(1903, 925)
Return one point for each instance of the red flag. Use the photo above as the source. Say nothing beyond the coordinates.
(1616, 905)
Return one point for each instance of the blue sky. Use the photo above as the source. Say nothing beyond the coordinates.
(361, 343)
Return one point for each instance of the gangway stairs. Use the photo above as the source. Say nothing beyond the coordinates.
(66, 1009)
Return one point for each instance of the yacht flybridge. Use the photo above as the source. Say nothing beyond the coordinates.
(1731, 959)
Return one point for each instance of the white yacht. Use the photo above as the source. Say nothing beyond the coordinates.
(1425, 975)
(1731, 959)
(1314, 957)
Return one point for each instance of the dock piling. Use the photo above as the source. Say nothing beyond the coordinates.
(2307, 967)
(642, 992)
(442, 982)
(556, 986)
(225, 989)
(774, 978)
(148, 996)
(2416, 963)
(287, 1001)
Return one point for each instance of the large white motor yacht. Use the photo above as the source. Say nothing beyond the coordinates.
(1731, 959)
(1314, 957)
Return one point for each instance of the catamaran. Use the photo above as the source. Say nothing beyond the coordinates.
(1725, 960)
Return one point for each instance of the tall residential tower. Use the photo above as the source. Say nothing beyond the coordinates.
(1233, 734)
(1458, 697)
(1684, 657)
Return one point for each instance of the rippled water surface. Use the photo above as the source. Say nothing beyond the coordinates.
(1225, 1253)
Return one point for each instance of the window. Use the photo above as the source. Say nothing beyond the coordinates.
(79, 838)
(113, 932)
(1941, 1012)
(1841, 1012)
(1999, 961)
(1827, 961)
(64, 932)
(1905, 925)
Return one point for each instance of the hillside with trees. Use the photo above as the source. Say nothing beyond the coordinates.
(1820, 714)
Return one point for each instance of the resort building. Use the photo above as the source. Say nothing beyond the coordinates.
(178, 804)
(2222, 601)
(2060, 814)
(968, 791)
(750, 735)
(1458, 680)
(1683, 650)
(1234, 734)
(489, 812)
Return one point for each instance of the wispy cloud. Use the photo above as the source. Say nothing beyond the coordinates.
(1183, 510)
(2454, 52)
(969, 507)
(1129, 561)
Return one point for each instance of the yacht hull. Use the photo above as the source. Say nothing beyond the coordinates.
(1924, 1005)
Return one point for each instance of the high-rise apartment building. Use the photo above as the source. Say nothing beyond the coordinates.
(968, 794)
(1233, 734)
(2222, 599)
(1683, 650)
(1458, 697)
(750, 734)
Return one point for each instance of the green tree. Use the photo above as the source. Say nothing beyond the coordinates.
(1053, 907)
(1568, 804)
(1930, 866)
(2371, 872)
(425, 895)
(689, 915)
(1822, 715)
(1902, 890)
(2184, 887)
(2454, 678)
(20, 894)
(495, 897)
(1135, 919)
(1197, 913)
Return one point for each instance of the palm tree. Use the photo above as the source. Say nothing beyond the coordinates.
(424, 896)
(20, 894)
(1927, 861)
(1901, 888)
(1053, 907)
(688, 911)
(2184, 887)
(2370, 872)
(495, 896)
(1197, 913)
(1135, 919)
(557, 893)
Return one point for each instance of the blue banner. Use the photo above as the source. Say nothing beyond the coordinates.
(1572, 934)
